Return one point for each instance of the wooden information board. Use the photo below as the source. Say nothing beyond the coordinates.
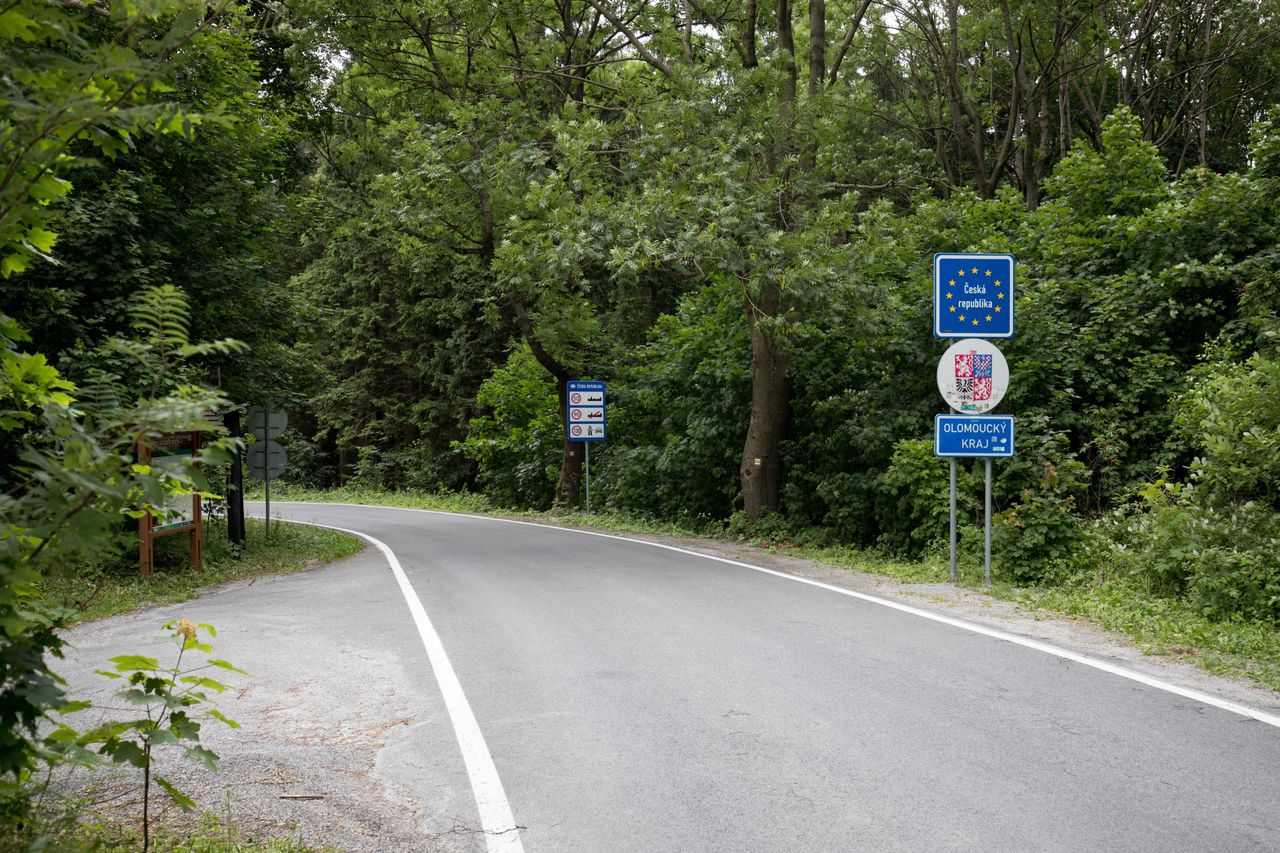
(184, 510)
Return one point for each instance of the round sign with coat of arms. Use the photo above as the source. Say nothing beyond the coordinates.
(973, 376)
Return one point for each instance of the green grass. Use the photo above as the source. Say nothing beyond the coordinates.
(116, 589)
(1163, 626)
(444, 501)
(1159, 626)
(67, 826)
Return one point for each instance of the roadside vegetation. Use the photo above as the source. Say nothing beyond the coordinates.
(95, 593)
(67, 828)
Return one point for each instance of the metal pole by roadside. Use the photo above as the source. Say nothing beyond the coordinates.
(953, 520)
(986, 500)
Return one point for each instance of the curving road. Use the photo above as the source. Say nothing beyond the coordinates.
(482, 685)
(635, 698)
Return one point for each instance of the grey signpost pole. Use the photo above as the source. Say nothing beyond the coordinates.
(586, 448)
(986, 516)
(266, 474)
(265, 458)
(266, 436)
(953, 519)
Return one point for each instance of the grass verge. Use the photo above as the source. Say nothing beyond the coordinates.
(65, 828)
(111, 590)
(1159, 626)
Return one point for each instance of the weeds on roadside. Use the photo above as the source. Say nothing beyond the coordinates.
(172, 699)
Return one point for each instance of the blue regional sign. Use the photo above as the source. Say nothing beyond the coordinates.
(585, 411)
(973, 435)
(972, 296)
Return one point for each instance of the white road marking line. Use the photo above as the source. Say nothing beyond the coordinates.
(496, 821)
(1026, 642)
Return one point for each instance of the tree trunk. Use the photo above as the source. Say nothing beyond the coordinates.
(817, 45)
(569, 483)
(761, 467)
(786, 44)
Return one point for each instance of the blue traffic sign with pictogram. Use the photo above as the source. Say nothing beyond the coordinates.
(585, 418)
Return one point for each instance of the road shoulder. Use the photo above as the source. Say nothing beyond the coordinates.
(344, 741)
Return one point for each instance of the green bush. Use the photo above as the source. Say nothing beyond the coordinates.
(915, 509)
(1224, 562)
(1231, 415)
(1038, 536)
(75, 485)
(518, 440)
(680, 415)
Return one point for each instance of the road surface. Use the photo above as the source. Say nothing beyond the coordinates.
(627, 697)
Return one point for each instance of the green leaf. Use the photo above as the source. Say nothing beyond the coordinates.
(17, 27)
(135, 663)
(204, 756)
(180, 799)
(125, 752)
(218, 662)
(15, 262)
(41, 238)
(204, 682)
(163, 737)
(218, 715)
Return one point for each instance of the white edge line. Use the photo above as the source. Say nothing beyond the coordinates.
(496, 820)
(1026, 642)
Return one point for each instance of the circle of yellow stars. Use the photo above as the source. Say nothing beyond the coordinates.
(974, 270)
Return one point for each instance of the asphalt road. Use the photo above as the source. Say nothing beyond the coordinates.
(639, 699)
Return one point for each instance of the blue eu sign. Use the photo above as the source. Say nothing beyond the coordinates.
(973, 435)
(972, 296)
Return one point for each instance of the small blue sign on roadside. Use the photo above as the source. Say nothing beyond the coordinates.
(973, 435)
(972, 296)
(585, 418)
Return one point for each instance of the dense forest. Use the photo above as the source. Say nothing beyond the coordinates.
(423, 220)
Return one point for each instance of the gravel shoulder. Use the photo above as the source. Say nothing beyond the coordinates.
(334, 712)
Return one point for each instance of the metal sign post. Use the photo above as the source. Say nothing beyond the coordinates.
(952, 574)
(266, 458)
(585, 419)
(973, 299)
(986, 518)
(235, 483)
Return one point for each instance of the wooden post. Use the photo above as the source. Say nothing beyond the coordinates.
(146, 550)
(195, 554)
(146, 538)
